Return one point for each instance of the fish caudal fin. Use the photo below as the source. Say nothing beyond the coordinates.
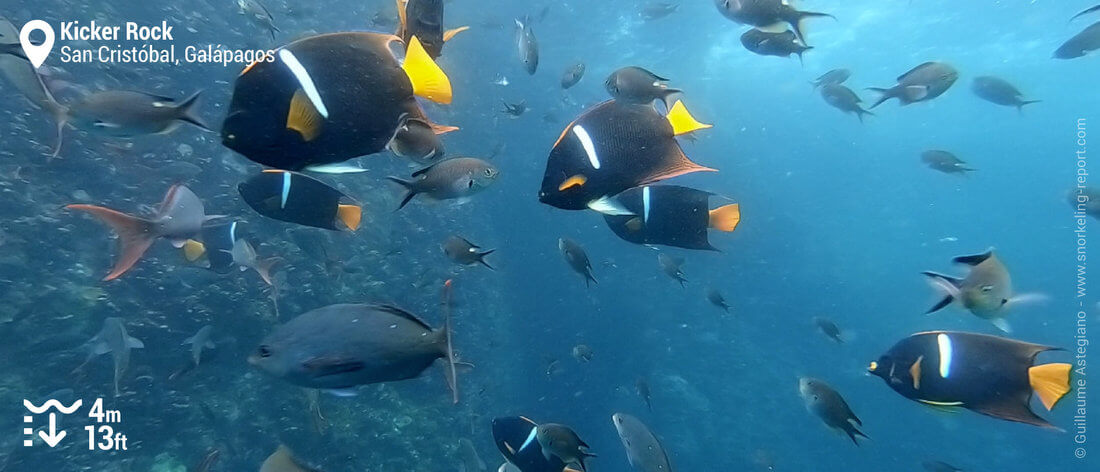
(1050, 382)
(886, 95)
(135, 235)
(796, 22)
(350, 215)
(188, 112)
(481, 258)
(193, 250)
(264, 266)
(725, 218)
(450, 34)
(410, 190)
(949, 285)
(681, 120)
(1020, 106)
(452, 373)
(428, 80)
(303, 117)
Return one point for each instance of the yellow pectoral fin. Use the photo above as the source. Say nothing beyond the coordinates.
(914, 372)
(428, 80)
(682, 121)
(447, 35)
(303, 117)
(1050, 381)
(725, 218)
(193, 250)
(574, 181)
(351, 215)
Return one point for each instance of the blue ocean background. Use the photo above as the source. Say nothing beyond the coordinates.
(838, 220)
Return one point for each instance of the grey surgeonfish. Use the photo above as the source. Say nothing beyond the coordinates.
(767, 14)
(1083, 43)
(179, 218)
(844, 99)
(643, 450)
(986, 291)
(338, 347)
(945, 162)
(999, 91)
(781, 44)
(715, 298)
(824, 402)
(22, 75)
(201, 340)
(828, 328)
(577, 259)
(455, 178)
(258, 14)
(527, 46)
(671, 266)
(514, 109)
(922, 83)
(557, 440)
(462, 251)
(634, 84)
(112, 338)
(572, 75)
(126, 114)
(835, 76)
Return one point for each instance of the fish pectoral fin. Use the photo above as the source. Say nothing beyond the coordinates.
(303, 117)
(575, 181)
(428, 80)
(331, 365)
(915, 372)
(134, 343)
(916, 92)
(1001, 324)
(450, 34)
(725, 218)
(1050, 382)
(350, 215)
(681, 120)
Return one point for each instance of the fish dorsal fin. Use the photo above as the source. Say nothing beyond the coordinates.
(973, 260)
(681, 120)
(907, 74)
(394, 310)
(427, 79)
(450, 34)
(424, 170)
(468, 243)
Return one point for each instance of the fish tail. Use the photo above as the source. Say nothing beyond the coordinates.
(1050, 382)
(860, 112)
(886, 95)
(264, 266)
(188, 111)
(452, 372)
(588, 277)
(410, 190)
(949, 285)
(853, 432)
(801, 60)
(800, 16)
(481, 258)
(135, 235)
(60, 114)
(1020, 106)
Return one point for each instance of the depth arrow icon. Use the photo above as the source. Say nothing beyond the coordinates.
(55, 436)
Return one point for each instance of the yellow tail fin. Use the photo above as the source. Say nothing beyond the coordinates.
(351, 215)
(1050, 381)
(447, 35)
(303, 117)
(428, 80)
(193, 250)
(682, 121)
(725, 218)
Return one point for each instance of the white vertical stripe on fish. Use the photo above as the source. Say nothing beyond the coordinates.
(589, 147)
(286, 189)
(530, 438)
(304, 80)
(944, 342)
(645, 204)
(233, 231)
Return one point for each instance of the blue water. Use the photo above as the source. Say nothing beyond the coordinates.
(839, 219)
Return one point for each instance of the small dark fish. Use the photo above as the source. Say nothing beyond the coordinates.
(128, 114)
(938, 466)
(1083, 43)
(769, 14)
(112, 338)
(773, 44)
(577, 259)
(561, 441)
(835, 76)
(671, 267)
(986, 290)
(179, 218)
(999, 91)
(657, 10)
(642, 387)
(671, 215)
(945, 162)
(424, 19)
(461, 251)
(636, 85)
(300, 199)
(828, 328)
(582, 353)
(343, 346)
(986, 374)
(28, 81)
(527, 46)
(715, 298)
(455, 178)
(824, 402)
(844, 99)
(513, 436)
(643, 450)
(418, 140)
(514, 109)
(572, 75)
(923, 83)
(1086, 12)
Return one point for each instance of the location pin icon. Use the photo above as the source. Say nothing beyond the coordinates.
(37, 54)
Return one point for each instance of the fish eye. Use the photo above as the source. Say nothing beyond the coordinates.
(264, 351)
(987, 288)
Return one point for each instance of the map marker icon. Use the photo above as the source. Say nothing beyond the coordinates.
(36, 54)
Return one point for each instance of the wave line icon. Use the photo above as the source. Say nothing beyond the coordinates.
(38, 410)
